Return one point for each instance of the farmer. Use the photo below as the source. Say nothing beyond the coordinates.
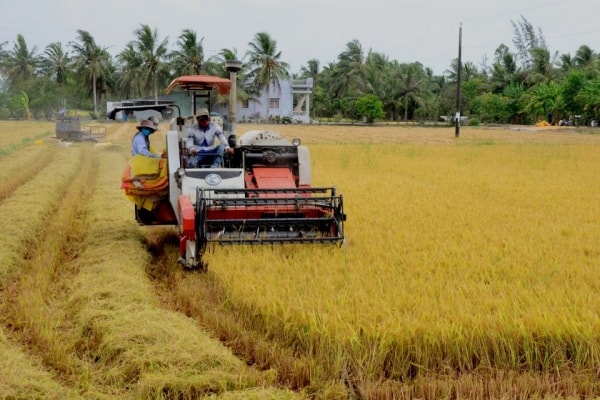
(201, 142)
(141, 141)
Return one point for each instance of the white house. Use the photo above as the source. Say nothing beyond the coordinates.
(291, 99)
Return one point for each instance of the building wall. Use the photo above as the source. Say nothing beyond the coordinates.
(279, 102)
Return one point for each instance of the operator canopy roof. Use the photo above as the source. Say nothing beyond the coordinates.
(201, 82)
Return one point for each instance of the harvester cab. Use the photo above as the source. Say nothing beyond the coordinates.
(261, 194)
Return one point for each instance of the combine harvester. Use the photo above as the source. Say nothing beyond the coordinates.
(262, 194)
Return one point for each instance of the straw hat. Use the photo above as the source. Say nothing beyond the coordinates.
(146, 124)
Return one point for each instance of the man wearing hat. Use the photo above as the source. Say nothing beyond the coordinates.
(201, 143)
(141, 140)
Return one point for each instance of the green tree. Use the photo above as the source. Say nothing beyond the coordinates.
(350, 70)
(411, 80)
(504, 69)
(20, 63)
(526, 39)
(266, 66)
(91, 61)
(589, 96)
(585, 57)
(543, 98)
(21, 105)
(153, 53)
(492, 107)
(188, 58)
(130, 80)
(55, 63)
(216, 66)
(369, 107)
(542, 66)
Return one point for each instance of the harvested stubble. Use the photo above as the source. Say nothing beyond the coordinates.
(97, 306)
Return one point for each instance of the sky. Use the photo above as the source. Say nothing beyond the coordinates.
(425, 31)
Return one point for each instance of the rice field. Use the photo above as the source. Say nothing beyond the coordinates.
(468, 271)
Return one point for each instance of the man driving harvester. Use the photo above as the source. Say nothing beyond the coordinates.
(201, 143)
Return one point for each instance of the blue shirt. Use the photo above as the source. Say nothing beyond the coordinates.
(141, 145)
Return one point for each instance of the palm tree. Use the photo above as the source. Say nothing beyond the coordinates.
(375, 73)
(542, 66)
(55, 62)
(153, 53)
(584, 57)
(91, 61)
(504, 69)
(351, 69)
(565, 63)
(130, 77)
(266, 66)
(216, 66)
(20, 63)
(311, 70)
(188, 59)
(411, 81)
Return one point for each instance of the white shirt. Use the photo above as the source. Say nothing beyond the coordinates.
(203, 140)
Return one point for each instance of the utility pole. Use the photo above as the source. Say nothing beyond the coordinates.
(457, 118)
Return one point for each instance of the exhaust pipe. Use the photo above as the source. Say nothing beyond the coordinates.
(233, 66)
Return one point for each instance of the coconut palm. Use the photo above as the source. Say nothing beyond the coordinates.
(503, 70)
(311, 70)
(375, 74)
(266, 66)
(130, 77)
(55, 62)
(565, 63)
(584, 57)
(412, 77)
(188, 59)
(20, 63)
(92, 62)
(153, 53)
(351, 69)
(542, 66)
(216, 66)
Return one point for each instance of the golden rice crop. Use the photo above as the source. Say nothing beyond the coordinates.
(461, 256)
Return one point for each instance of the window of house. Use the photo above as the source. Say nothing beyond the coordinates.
(246, 104)
(274, 103)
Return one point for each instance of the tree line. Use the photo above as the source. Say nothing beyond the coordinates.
(521, 86)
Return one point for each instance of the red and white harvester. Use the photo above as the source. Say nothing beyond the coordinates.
(262, 194)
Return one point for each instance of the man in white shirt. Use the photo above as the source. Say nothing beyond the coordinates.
(201, 144)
